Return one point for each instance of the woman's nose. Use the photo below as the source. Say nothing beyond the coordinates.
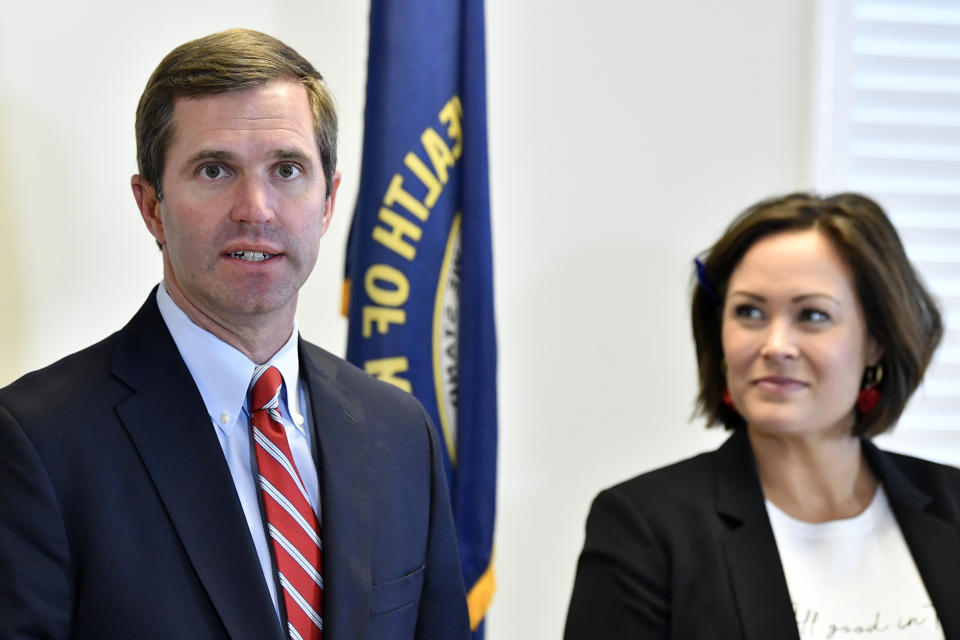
(779, 342)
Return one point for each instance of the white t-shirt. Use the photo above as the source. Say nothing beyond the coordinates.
(853, 578)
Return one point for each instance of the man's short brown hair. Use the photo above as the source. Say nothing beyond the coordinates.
(900, 313)
(226, 61)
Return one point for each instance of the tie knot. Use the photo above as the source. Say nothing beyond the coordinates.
(265, 388)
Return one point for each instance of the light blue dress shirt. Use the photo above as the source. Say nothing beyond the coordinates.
(223, 374)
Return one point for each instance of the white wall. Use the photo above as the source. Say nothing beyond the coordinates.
(623, 136)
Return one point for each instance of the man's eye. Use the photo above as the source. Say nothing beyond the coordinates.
(288, 171)
(213, 171)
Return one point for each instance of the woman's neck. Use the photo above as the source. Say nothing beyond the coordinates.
(815, 478)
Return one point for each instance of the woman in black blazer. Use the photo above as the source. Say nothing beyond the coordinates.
(812, 331)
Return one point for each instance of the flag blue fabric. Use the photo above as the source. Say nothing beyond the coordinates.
(418, 287)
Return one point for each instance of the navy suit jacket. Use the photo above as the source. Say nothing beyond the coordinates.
(687, 552)
(119, 518)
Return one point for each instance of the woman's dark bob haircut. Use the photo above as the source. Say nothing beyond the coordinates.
(900, 313)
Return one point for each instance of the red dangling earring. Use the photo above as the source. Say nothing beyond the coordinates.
(725, 397)
(870, 395)
(727, 400)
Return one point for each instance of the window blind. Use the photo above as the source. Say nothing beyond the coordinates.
(888, 125)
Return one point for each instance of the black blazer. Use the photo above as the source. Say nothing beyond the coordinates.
(119, 518)
(687, 552)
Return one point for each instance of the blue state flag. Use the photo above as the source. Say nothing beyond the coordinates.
(418, 286)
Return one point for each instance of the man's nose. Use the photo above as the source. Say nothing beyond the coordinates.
(253, 202)
(779, 342)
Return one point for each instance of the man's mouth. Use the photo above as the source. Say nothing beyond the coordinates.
(252, 256)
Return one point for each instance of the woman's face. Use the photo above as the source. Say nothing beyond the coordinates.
(794, 337)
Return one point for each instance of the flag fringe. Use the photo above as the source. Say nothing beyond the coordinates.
(480, 597)
(345, 298)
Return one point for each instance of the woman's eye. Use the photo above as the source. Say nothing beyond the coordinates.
(213, 171)
(748, 312)
(814, 315)
(288, 171)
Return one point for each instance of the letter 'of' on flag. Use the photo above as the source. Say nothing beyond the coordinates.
(418, 286)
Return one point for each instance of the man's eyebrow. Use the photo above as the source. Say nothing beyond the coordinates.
(292, 154)
(205, 155)
(210, 154)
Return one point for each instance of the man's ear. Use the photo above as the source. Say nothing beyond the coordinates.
(331, 202)
(146, 197)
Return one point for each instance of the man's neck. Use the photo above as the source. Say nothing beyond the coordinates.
(259, 339)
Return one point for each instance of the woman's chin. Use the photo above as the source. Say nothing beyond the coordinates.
(791, 423)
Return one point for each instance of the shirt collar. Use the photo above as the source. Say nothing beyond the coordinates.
(221, 372)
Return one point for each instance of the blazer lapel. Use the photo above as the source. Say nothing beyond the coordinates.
(933, 542)
(756, 575)
(344, 497)
(168, 423)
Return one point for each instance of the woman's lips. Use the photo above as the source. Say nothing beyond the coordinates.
(779, 384)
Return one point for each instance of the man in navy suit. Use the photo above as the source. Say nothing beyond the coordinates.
(131, 505)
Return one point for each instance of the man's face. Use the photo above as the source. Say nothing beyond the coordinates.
(244, 204)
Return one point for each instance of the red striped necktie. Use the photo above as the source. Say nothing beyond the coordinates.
(291, 522)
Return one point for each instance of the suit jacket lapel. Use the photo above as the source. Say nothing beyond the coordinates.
(344, 497)
(168, 423)
(759, 585)
(933, 541)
